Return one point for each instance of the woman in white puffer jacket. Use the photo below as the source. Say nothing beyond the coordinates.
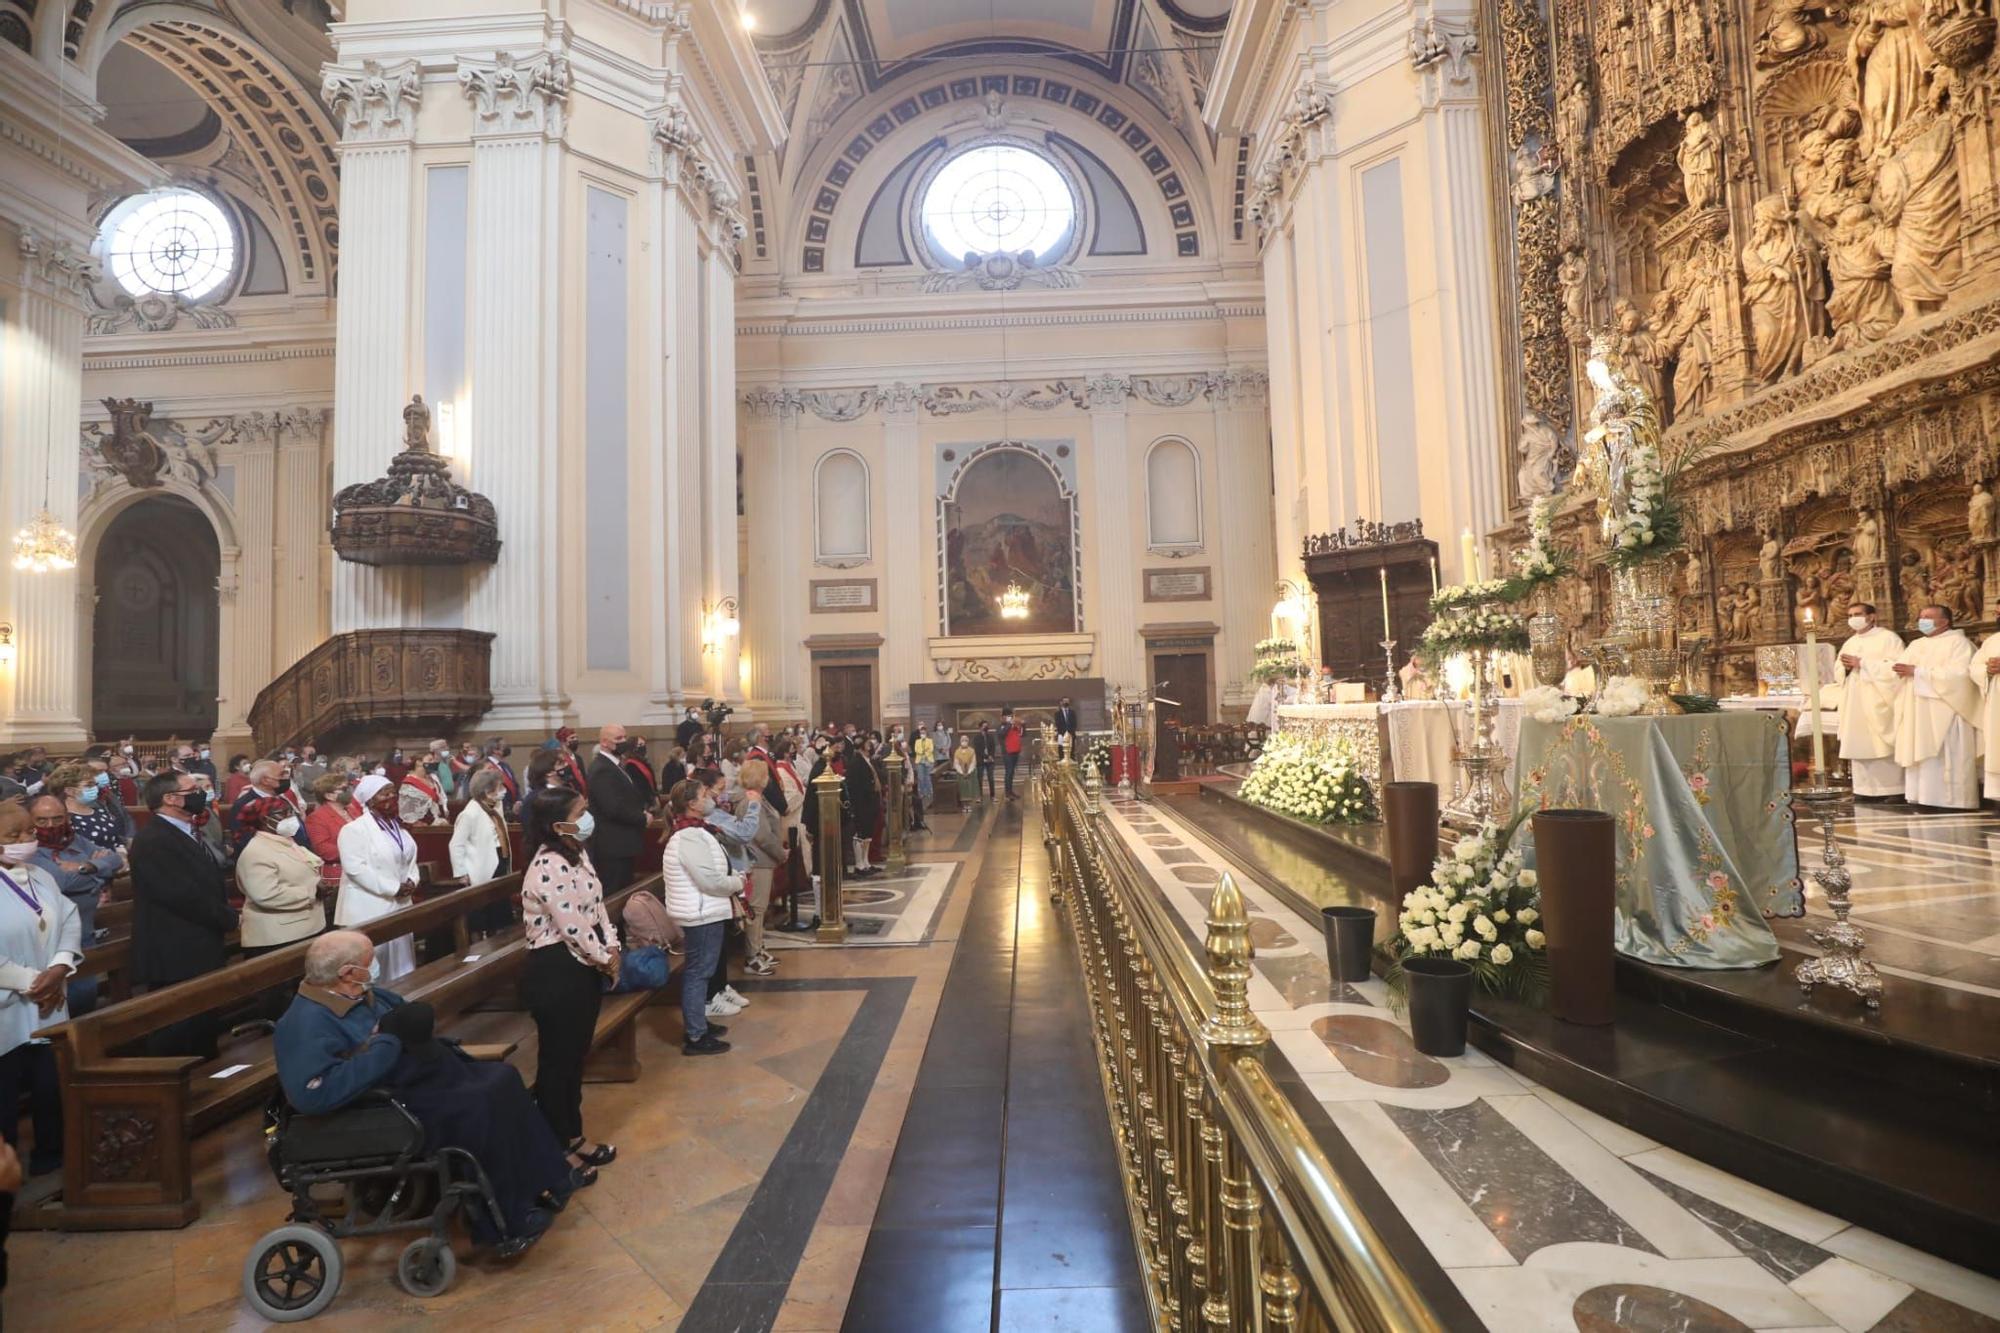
(699, 888)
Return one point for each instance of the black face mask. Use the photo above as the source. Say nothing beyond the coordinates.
(624, 748)
(193, 802)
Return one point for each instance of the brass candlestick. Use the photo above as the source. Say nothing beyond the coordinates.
(1841, 964)
(1392, 689)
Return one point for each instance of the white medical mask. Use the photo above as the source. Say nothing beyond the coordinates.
(18, 852)
(585, 827)
(288, 827)
(1857, 623)
(88, 795)
(1926, 625)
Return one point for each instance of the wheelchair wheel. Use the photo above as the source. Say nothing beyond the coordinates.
(427, 1266)
(292, 1273)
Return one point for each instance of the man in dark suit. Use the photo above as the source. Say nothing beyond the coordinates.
(618, 807)
(180, 907)
(1065, 722)
(497, 752)
(987, 746)
(689, 731)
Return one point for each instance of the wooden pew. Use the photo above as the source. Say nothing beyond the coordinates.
(130, 1119)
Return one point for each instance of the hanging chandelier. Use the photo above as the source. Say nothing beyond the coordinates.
(44, 546)
(1014, 603)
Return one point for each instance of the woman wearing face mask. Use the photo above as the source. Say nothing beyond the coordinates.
(89, 812)
(378, 872)
(572, 954)
(334, 808)
(40, 946)
(279, 879)
(480, 846)
(699, 886)
(238, 779)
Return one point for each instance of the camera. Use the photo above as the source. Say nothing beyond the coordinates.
(715, 713)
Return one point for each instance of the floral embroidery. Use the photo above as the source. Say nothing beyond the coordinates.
(1696, 768)
(1721, 913)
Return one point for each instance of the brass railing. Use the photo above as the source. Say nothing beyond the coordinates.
(1240, 1219)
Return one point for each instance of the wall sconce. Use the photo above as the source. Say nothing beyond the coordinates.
(6, 646)
(719, 622)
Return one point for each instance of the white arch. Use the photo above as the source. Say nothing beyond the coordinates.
(822, 554)
(1174, 534)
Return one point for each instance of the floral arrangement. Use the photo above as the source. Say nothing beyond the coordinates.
(1099, 754)
(1485, 627)
(1480, 907)
(1310, 779)
(1277, 659)
(1547, 703)
(1275, 648)
(1458, 596)
(1622, 696)
(1541, 560)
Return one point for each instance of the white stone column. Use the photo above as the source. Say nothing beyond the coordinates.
(377, 104)
(256, 505)
(513, 332)
(41, 698)
(298, 603)
(663, 311)
(768, 581)
(1468, 293)
(904, 531)
(1243, 554)
(1111, 594)
(718, 353)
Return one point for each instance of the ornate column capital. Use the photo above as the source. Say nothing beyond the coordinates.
(1107, 393)
(518, 94)
(901, 402)
(374, 101)
(781, 403)
(680, 155)
(55, 268)
(1441, 52)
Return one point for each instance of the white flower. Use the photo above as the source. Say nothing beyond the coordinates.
(1469, 949)
(1528, 881)
(1500, 917)
(1622, 696)
(1536, 939)
(1487, 930)
(1502, 955)
(1546, 703)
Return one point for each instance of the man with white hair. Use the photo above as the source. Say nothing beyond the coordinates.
(268, 778)
(618, 806)
(343, 1037)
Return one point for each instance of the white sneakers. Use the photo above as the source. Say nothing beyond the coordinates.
(729, 994)
(720, 1007)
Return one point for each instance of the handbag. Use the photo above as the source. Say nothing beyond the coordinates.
(642, 969)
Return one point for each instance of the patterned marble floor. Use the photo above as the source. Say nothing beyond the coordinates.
(1542, 1214)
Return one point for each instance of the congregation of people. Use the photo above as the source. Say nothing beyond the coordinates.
(227, 861)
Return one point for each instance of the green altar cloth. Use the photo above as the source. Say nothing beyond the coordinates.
(1703, 804)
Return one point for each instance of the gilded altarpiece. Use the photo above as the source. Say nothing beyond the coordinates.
(1785, 215)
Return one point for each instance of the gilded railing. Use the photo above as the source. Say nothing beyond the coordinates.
(1240, 1218)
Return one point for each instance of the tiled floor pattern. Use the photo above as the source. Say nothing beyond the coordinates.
(1542, 1214)
(743, 1196)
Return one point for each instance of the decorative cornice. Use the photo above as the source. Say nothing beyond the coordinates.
(1287, 147)
(518, 94)
(270, 429)
(681, 157)
(55, 267)
(373, 101)
(1237, 385)
(231, 356)
(758, 327)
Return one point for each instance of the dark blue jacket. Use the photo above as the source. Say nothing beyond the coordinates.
(328, 1050)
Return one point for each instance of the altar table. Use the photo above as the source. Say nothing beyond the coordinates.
(1425, 736)
(1359, 725)
(1706, 845)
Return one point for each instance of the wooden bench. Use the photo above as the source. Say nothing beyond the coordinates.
(130, 1119)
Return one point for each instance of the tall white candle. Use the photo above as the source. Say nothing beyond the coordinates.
(1812, 699)
(1434, 576)
(1465, 556)
(1387, 633)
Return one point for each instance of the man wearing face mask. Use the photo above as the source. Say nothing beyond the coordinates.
(40, 946)
(1867, 719)
(270, 779)
(618, 805)
(81, 870)
(180, 907)
(1937, 717)
(309, 769)
(204, 763)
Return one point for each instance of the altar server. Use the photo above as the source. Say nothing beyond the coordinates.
(1868, 704)
(1985, 673)
(1937, 716)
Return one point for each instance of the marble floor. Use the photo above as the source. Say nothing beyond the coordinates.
(1532, 1212)
(748, 1187)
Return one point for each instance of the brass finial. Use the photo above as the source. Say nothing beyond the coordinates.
(1229, 955)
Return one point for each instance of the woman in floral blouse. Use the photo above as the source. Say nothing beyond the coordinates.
(572, 951)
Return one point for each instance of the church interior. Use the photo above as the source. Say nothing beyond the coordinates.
(1000, 664)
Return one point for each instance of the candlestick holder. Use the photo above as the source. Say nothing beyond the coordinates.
(1392, 688)
(1841, 963)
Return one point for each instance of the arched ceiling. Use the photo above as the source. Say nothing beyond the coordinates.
(150, 108)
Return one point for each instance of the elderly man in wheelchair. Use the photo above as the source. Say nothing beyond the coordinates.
(403, 1128)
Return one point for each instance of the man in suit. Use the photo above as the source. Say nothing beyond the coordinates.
(618, 807)
(1066, 726)
(688, 731)
(180, 907)
(497, 751)
(987, 746)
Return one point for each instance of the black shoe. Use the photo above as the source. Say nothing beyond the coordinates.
(710, 1044)
(717, 1030)
(602, 1155)
(538, 1221)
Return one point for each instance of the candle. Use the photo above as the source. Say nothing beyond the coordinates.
(1434, 576)
(1465, 557)
(1479, 558)
(1812, 700)
(1387, 633)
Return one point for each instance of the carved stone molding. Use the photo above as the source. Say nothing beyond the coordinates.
(373, 101)
(1001, 273)
(1441, 51)
(680, 154)
(1312, 107)
(518, 94)
(1236, 386)
(157, 312)
(142, 451)
(56, 267)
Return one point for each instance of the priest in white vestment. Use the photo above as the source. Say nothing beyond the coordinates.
(1985, 673)
(1937, 716)
(1868, 704)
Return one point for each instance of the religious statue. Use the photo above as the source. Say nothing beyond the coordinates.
(1637, 347)
(1534, 171)
(1840, 584)
(1572, 276)
(1809, 602)
(1788, 32)
(1862, 304)
(1539, 445)
(1917, 196)
(1979, 518)
(1695, 574)
(1774, 288)
(1770, 567)
(130, 450)
(1687, 337)
(1660, 19)
(1748, 603)
(1867, 542)
(1700, 161)
(1889, 61)
(1725, 612)
(1575, 113)
(417, 425)
(1914, 580)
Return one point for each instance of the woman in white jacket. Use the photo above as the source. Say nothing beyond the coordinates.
(699, 888)
(378, 872)
(480, 847)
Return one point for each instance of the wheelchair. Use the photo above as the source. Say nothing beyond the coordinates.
(372, 1151)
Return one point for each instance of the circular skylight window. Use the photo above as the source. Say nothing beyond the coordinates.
(998, 199)
(169, 243)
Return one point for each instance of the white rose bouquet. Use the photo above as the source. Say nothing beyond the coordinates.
(1622, 696)
(1541, 560)
(1309, 779)
(1482, 907)
(1546, 703)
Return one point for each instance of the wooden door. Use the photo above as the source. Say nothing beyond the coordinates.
(847, 694)
(1184, 677)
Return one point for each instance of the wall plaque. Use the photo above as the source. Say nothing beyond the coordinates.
(1178, 585)
(834, 595)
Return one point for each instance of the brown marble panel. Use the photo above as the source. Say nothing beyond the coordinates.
(1268, 934)
(1922, 1312)
(1197, 874)
(1627, 1306)
(1378, 1051)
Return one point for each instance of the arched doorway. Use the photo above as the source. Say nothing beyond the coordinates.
(156, 635)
